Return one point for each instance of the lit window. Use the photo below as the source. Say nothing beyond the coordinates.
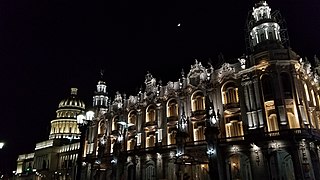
(172, 108)
(151, 114)
(198, 101)
(306, 91)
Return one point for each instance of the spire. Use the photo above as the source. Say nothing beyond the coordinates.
(101, 74)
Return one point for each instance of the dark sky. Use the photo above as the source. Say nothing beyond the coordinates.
(49, 46)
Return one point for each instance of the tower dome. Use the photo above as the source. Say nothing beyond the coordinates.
(72, 101)
(265, 29)
(65, 124)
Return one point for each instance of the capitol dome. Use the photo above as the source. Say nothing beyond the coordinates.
(72, 102)
(65, 124)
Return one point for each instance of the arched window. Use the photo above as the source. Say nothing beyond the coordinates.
(288, 98)
(233, 126)
(151, 114)
(150, 140)
(230, 93)
(150, 171)
(198, 131)
(198, 101)
(272, 123)
(102, 127)
(114, 125)
(268, 95)
(132, 117)
(130, 144)
(172, 108)
(171, 136)
(293, 122)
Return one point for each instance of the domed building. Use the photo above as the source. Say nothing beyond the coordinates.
(65, 124)
(56, 157)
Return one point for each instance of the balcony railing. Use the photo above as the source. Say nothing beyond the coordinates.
(150, 123)
(172, 120)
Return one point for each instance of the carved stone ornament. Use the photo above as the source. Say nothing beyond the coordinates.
(118, 100)
(150, 83)
(197, 74)
(133, 100)
(225, 70)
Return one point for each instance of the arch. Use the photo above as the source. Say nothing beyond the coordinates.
(198, 102)
(150, 113)
(229, 93)
(233, 126)
(315, 163)
(272, 123)
(150, 170)
(171, 136)
(101, 127)
(288, 99)
(131, 172)
(269, 104)
(238, 167)
(281, 165)
(132, 117)
(293, 121)
(130, 144)
(172, 108)
(150, 139)
(198, 131)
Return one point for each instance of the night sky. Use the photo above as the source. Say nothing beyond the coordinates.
(49, 46)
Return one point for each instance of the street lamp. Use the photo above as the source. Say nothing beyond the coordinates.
(83, 121)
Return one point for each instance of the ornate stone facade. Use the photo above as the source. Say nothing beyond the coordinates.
(254, 119)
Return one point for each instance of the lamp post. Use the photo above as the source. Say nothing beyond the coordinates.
(83, 121)
(1, 173)
(211, 134)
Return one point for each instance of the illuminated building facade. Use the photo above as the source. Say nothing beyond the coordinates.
(254, 119)
(56, 157)
(257, 118)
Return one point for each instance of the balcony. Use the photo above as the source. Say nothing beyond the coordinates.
(231, 106)
(150, 124)
(172, 120)
(132, 128)
(198, 114)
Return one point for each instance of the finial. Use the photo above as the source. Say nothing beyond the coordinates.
(101, 73)
(182, 73)
(74, 91)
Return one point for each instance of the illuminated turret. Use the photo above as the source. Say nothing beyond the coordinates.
(100, 98)
(265, 29)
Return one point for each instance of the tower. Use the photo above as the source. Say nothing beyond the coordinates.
(100, 98)
(265, 29)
